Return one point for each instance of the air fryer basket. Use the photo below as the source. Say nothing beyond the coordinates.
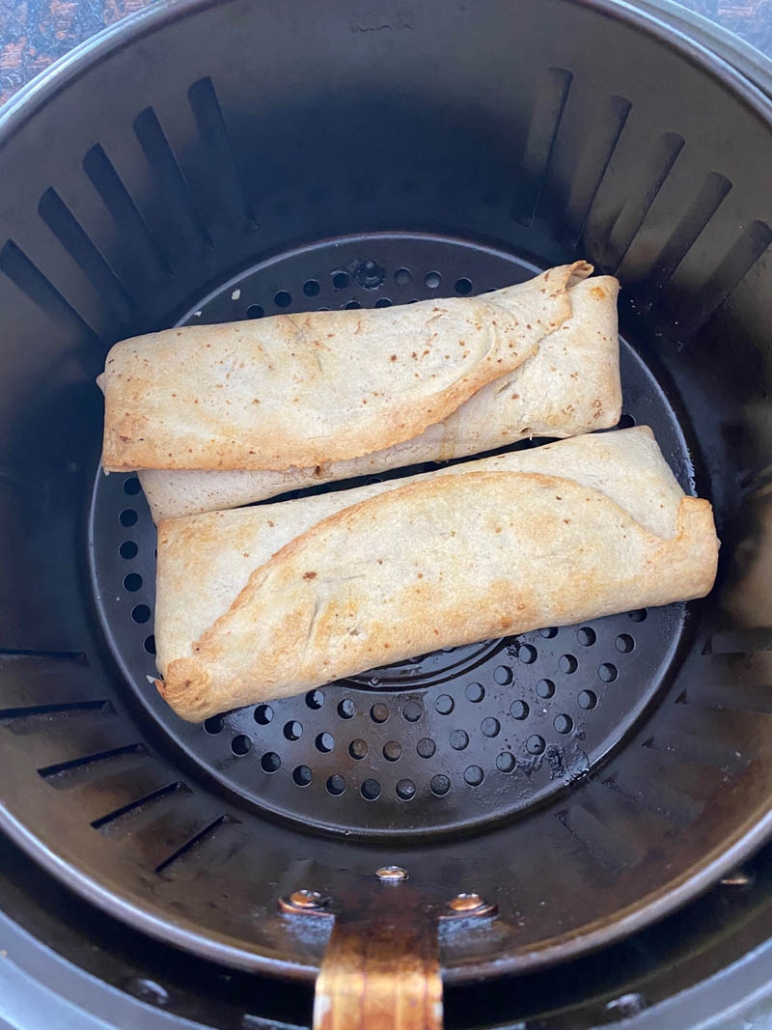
(228, 160)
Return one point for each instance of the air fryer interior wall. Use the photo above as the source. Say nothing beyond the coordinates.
(703, 966)
(271, 148)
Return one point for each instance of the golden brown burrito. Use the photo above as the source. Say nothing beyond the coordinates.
(302, 390)
(265, 602)
(568, 387)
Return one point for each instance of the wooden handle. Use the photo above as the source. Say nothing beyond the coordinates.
(381, 971)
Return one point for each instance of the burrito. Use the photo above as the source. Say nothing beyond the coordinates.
(265, 602)
(568, 387)
(303, 390)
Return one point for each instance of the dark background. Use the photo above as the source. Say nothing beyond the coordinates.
(33, 33)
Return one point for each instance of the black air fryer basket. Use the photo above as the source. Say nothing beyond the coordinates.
(216, 161)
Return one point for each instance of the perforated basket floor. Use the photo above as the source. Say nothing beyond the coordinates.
(450, 740)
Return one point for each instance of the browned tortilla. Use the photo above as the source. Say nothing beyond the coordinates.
(569, 386)
(575, 530)
(304, 390)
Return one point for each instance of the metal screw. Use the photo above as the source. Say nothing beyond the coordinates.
(627, 1005)
(148, 991)
(307, 899)
(391, 874)
(467, 903)
(738, 878)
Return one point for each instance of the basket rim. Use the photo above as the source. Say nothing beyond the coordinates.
(660, 19)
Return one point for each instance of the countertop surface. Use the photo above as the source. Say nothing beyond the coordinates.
(33, 33)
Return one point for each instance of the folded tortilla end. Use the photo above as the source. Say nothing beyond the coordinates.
(695, 525)
(186, 688)
(580, 270)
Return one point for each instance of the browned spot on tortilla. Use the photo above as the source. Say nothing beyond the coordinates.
(309, 575)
